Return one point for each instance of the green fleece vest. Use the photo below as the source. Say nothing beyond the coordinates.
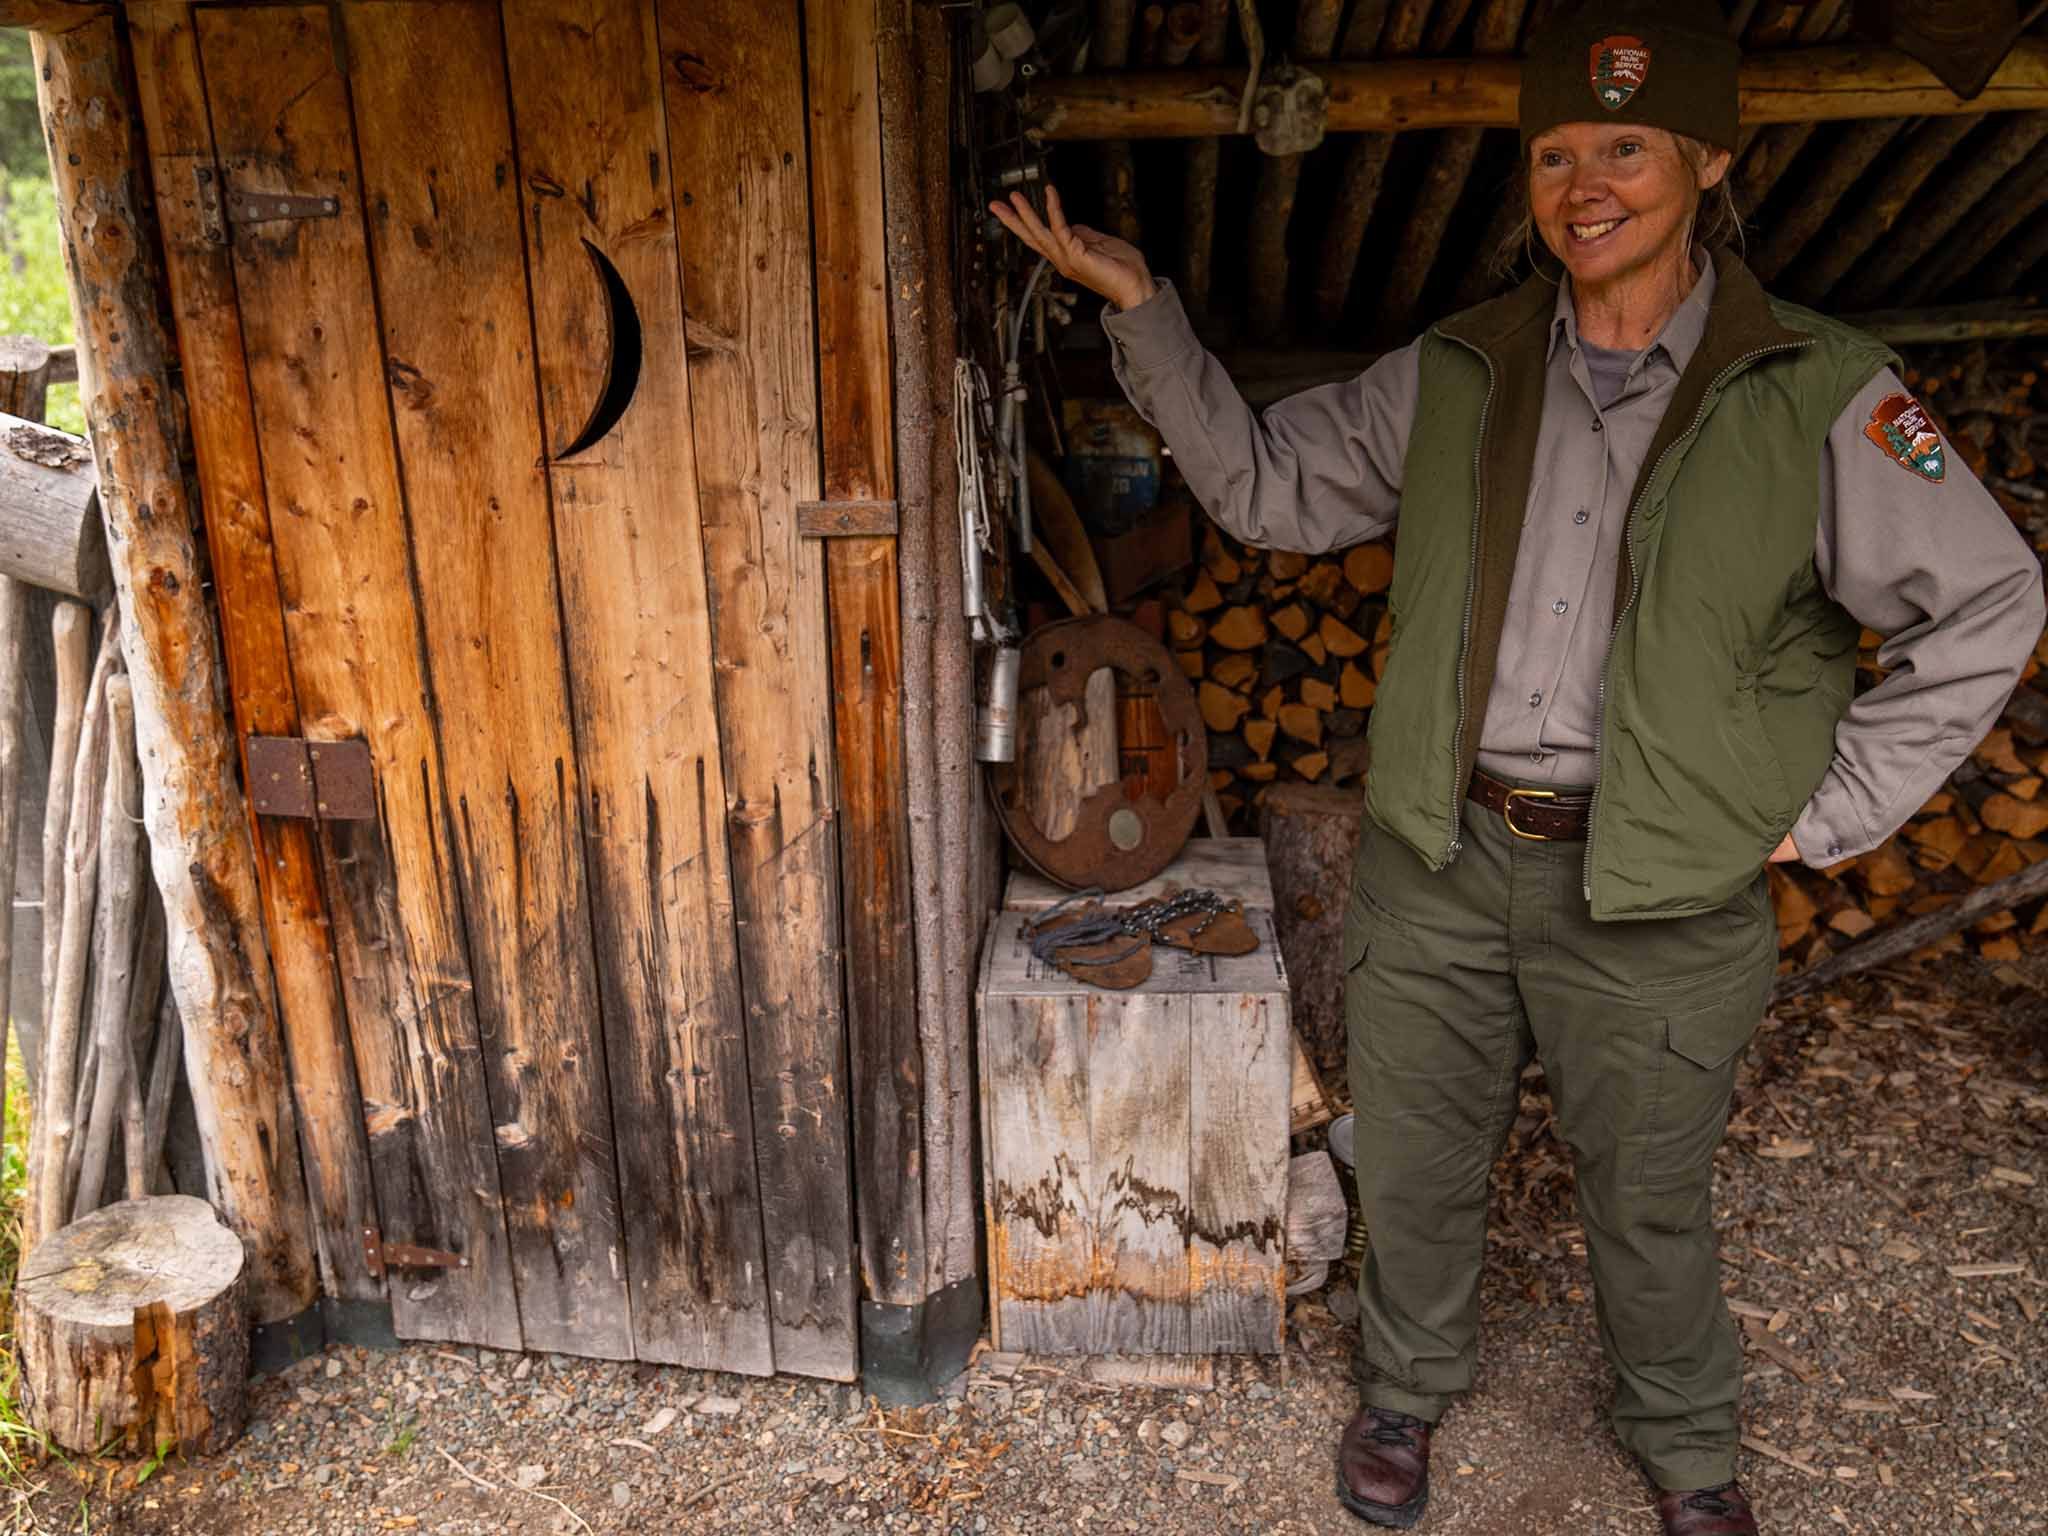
(1729, 666)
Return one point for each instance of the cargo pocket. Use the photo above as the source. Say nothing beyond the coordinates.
(1695, 1080)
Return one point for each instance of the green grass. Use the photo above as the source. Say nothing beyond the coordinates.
(33, 298)
(20, 1446)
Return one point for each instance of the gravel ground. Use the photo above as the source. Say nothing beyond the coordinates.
(1881, 1138)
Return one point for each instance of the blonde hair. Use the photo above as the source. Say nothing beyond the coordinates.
(1715, 218)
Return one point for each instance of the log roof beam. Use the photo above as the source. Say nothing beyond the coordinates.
(50, 15)
(1802, 85)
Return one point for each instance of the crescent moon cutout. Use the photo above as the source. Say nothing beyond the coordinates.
(622, 365)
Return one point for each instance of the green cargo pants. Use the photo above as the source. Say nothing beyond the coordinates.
(1455, 979)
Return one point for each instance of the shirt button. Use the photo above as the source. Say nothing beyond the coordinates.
(1579, 516)
(1536, 756)
(1834, 850)
(1536, 698)
(1560, 606)
(1597, 427)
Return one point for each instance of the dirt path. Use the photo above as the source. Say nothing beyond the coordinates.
(1879, 1140)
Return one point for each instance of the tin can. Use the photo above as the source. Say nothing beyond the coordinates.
(995, 739)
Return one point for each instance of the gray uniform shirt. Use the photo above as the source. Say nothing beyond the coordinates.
(1935, 568)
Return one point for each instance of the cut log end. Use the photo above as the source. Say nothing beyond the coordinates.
(134, 1323)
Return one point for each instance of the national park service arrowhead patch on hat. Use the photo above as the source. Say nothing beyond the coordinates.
(1618, 66)
(1900, 426)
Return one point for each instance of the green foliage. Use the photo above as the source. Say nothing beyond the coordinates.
(34, 299)
(21, 134)
(404, 1431)
(151, 1467)
(19, 1444)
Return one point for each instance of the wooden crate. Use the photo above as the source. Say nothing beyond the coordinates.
(1234, 866)
(1135, 1151)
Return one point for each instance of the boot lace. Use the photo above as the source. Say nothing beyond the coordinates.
(1713, 1501)
(1389, 1428)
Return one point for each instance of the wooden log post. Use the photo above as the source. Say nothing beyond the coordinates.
(198, 830)
(78, 879)
(1311, 836)
(1204, 163)
(132, 1325)
(27, 369)
(1112, 52)
(71, 648)
(1457, 150)
(1374, 30)
(13, 702)
(1315, 34)
(2004, 209)
(117, 917)
(1848, 237)
(1846, 159)
(2008, 143)
(1802, 85)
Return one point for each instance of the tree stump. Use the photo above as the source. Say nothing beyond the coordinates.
(133, 1323)
(1311, 835)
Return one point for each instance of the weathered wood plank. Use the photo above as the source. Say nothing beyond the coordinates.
(1039, 1173)
(1233, 866)
(445, 241)
(321, 454)
(733, 81)
(1237, 1175)
(862, 581)
(310, 1000)
(1137, 1078)
(592, 152)
(203, 861)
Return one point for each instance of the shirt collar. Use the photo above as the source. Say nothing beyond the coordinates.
(1681, 335)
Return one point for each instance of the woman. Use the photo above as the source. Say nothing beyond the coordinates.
(1644, 512)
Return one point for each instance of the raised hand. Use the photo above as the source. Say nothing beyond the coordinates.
(1111, 267)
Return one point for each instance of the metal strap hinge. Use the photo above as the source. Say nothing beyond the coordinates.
(312, 780)
(221, 205)
(380, 1256)
(845, 519)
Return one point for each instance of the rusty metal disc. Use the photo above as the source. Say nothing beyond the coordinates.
(1116, 841)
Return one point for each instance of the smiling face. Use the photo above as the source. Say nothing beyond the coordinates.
(1615, 201)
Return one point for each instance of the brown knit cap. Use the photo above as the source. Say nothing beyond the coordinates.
(1672, 65)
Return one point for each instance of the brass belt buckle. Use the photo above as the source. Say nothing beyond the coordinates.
(1507, 812)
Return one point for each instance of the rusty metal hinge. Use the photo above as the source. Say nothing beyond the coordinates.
(845, 519)
(380, 1256)
(312, 780)
(221, 205)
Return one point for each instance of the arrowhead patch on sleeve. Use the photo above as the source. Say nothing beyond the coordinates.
(1900, 426)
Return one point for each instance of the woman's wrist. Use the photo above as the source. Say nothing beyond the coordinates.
(1137, 294)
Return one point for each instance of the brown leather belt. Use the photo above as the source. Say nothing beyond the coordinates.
(1540, 815)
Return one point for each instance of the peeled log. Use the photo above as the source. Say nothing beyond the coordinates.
(134, 1323)
(202, 854)
(50, 529)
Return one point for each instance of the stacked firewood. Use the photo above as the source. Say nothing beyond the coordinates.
(1286, 653)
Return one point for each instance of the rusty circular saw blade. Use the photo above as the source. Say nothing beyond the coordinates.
(1061, 657)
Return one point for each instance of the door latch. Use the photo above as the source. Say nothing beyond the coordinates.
(380, 1256)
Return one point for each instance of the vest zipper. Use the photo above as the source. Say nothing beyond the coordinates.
(1465, 628)
(1628, 540)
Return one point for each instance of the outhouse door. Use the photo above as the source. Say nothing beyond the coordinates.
(496, 321)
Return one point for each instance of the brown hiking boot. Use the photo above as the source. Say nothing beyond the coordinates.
(1722, 1511)
(1383, 1468)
